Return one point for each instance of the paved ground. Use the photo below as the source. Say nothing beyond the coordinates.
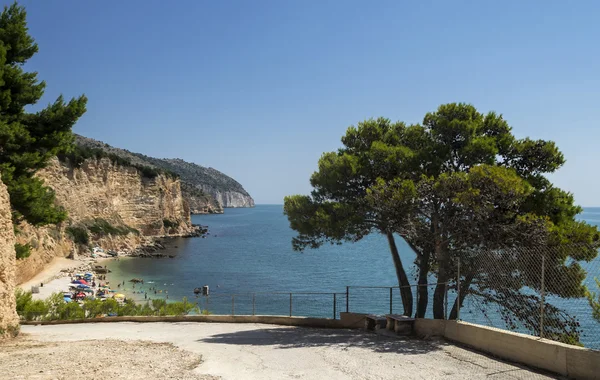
(255, 351)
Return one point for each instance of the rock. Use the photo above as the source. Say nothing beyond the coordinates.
(9, 320)
(118, 194)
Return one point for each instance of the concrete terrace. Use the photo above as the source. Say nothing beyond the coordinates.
(259, 351)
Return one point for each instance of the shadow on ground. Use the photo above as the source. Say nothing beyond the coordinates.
(298, 337)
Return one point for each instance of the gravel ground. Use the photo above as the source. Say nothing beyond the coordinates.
(28, 358)
(238, 351)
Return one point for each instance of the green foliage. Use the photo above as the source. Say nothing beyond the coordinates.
(22, 251)
(78, 154)
(78, 234)
(29, 140)
(594, 302)
(168, 223)
(453, 187)
(55, 308)
(102, 227)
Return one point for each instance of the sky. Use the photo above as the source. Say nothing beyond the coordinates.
(260, 89)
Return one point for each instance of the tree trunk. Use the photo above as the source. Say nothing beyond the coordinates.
(423, 292)
(439, 295)
(405, 291)
(464, 291)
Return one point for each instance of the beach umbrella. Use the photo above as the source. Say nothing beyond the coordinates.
(119, 295)
(81, 286)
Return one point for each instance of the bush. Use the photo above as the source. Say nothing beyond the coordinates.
(22, 251)
(55, 308)
(103, 227)
(79, 235)
(168, 223)
(81, 153)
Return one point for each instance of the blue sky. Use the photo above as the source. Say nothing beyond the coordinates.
(260, 89)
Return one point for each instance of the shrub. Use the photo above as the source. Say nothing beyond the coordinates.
(79, 235)
(22, 251)
(168, 223)
(103, 227)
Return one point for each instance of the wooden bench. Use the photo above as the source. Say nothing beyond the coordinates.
(400, 324)
(375, 322)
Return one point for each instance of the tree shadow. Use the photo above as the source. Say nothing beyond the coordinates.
(299, 337)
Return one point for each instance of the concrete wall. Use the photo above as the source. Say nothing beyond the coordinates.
(267, 319)
(425, 328)
(564, 359)
(353, 320)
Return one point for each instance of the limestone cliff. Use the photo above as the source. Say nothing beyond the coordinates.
(9, 321)
(229, 198)
(208, 190)
(117, 206)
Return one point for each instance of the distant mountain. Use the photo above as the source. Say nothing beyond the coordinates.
(204, 187)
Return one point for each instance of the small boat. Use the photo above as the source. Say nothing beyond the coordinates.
(197, 291)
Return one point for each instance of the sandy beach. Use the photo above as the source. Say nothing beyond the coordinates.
(55, 277)
(51, 270)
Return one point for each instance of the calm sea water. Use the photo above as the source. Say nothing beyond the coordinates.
(249, 251)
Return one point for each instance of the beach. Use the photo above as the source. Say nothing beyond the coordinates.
(58, 275)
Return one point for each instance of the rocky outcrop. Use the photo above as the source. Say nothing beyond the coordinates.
(199, 201)
(230, 198)
(103, 195)
(9, 320)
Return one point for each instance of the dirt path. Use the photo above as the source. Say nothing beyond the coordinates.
(254, 351)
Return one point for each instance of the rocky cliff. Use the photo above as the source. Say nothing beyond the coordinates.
(9, 321)
(207, 189)
(113, 205)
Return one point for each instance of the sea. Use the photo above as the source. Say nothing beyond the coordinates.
(249, 266)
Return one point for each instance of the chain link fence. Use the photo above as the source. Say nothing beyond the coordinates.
(536, 291)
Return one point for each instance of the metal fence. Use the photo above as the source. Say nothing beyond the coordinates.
(531, 291)
(306, 304)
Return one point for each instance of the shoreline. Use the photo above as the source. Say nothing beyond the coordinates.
(56, 275)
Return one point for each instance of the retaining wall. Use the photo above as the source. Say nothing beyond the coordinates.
(564, 359)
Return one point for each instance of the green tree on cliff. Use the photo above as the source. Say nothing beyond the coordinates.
(454, 187)
(29, 140)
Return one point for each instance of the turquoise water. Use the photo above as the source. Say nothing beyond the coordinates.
(249, 251)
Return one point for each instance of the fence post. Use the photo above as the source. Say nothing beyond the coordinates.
(232, 304)
(347, 299)
(391, 297)
(334, 306)
(253, 303)
(458, 292)
(542, 299)
(290, 304)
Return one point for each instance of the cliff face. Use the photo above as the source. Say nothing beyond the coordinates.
(206, 189)
(230, 198)
(9, 321)
(100, 195)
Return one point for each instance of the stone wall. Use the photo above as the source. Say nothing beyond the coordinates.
(9, 321)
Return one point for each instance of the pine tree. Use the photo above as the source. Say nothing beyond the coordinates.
(29, 140)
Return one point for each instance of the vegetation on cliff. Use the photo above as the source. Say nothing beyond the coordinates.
(193, 176)
(78, 154)
(29, 140)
